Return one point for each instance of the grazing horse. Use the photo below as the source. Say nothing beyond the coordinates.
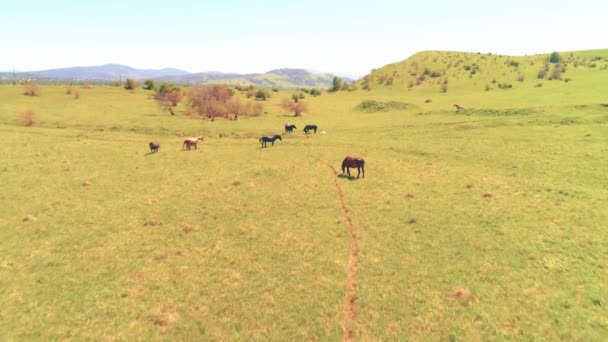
(353, 162)
(269, 138)
(458, 107)
(154, 146)
(289, 128)
(189, 142)
(310, 128)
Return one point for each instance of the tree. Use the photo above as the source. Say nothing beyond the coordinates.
(130, 84)
(336, 84)
(296, 107)
(262, 95)
(149, 84)
(555, 57)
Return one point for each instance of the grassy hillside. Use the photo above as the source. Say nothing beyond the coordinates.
(483, 224)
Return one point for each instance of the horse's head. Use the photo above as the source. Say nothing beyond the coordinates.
(278, 136)
(199, 138)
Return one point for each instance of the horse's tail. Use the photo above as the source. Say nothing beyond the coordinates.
(363, 167)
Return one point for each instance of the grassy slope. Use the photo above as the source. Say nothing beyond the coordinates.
(267, 253)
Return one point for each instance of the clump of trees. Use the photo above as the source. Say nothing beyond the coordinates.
(217, 101)
(297, 107)
(169, 96)
(31, 89)
(130, 84)
(149, 84)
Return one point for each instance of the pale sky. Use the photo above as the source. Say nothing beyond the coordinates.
(256, 36)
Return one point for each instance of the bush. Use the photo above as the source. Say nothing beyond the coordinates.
(487, 88)
(443, 88)
(555, 57)
(538, 85)
(505, 86)
(296, 107)
(76, 94)
(315, 92)
(166, 87)
(28, 118)
(276, 90)
(520, 78)
(130, 84)
(31, 89)
(542, 73)
(262, 95)
(372, 106)
(149, 84)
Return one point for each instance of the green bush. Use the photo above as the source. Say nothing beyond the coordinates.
(555, 57)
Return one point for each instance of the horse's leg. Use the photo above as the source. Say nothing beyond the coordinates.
(358, 171)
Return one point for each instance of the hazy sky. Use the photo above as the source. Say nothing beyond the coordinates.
(256, 36)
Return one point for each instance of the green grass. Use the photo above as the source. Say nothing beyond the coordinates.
(506, 199)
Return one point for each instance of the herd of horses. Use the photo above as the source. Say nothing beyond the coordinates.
(347, 163)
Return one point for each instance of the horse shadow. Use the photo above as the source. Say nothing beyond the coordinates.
(350, 178)
(149, 153)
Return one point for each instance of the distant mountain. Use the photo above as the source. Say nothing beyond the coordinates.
(107, 72)
(279, 78)
(285, 78)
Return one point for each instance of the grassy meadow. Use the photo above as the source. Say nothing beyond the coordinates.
(489, 223)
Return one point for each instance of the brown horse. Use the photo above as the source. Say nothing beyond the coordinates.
(189, 142)
(353, 162)
(154, 146)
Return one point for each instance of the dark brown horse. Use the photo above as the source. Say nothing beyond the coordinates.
(310, 128)
(270, 138)
(289, 128)
(353, 162)
(154, 146)
(189, 142)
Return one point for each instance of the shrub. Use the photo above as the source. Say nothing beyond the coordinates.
(76, 94)
(435, 74)
(538, 85)
(149, 84)
(86, 84)
(315, 92)
(296, 107)
(410, 84)
(443, 88)
(520, 78)
(69, 90)
(568, 79)
(262, 95)
(542, 73)
(467, 68)
(28, 118)
(31, 89)
(372, 106)
(487, 88)
(505, 86)
(275, 90)
(428, 101)
(557, 73)
(130, 84)
(493, 81)
(555, 57)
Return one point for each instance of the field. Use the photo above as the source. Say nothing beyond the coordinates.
(489, 223)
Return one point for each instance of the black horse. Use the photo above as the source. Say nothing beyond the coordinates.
(310, 128)
(270, 138)
(154, 146)
(289, 128)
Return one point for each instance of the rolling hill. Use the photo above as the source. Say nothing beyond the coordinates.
(443, 71)
(284, 78)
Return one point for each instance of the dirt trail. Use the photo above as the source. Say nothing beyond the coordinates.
(350, 306)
